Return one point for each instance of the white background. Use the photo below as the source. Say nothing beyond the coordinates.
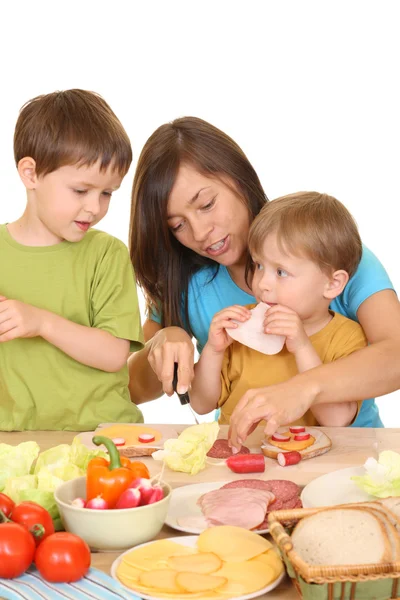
(310, 90)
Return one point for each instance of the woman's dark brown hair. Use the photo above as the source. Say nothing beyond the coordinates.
(163, 266)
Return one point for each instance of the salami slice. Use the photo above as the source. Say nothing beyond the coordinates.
(282, 489)
(220, 449)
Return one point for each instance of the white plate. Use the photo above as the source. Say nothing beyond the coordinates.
(183, 503)
(191, 541)
(334, 488)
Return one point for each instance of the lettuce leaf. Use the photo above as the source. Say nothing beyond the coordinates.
(16, 461)
(188, 452)
(382, 478)
(53, 467)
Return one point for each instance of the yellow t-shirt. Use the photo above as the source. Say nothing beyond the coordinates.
(91, 283)
(244, 368)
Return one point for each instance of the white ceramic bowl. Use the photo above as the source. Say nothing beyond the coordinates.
(110, 530)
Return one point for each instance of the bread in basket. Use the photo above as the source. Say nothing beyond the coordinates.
(346, 552)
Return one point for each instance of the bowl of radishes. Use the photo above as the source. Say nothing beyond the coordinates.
(137, 517)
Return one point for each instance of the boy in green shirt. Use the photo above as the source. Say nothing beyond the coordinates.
(68, 303)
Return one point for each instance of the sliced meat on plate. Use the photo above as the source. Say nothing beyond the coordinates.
(241, 507)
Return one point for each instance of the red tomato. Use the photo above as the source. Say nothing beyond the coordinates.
(63, 558)
(6, 504)
(30, 514)
(17, 549)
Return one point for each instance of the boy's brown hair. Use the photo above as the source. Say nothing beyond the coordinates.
(313, 225)
(72, 127)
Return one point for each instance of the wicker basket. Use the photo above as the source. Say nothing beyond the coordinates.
(355, 582)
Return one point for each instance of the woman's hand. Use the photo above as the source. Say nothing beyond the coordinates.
(218, 338)
(168, 346)
(276, 404)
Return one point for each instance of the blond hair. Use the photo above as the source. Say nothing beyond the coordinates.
(313, 225)
(71, 127)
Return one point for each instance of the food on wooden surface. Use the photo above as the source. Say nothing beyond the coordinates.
(188, 453)
(139, 440)
(291, 441)
(309, 441)
(226, 562)
(240, 507)
(221, 449)
(285, 459)
(246, 463)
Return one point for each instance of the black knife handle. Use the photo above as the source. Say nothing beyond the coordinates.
(183, 398)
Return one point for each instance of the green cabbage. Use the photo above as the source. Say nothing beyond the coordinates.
(382, 478)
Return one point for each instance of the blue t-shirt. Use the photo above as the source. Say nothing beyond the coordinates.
(207, 296)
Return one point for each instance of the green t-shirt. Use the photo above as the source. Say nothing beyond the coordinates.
(91, 283)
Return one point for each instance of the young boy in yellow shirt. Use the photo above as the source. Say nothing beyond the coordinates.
(68, 303)
(304, 248)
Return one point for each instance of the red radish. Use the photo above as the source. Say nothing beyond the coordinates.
(145, 438)
(246, 463)
(297, 429)
(97, 503)
(280, 437)
(285, 459)
(145, 488)
(157, 494)
(118, 441)
(79, 502)
(302, 437)
(130, 498)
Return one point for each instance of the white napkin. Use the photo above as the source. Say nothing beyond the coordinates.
(251, 332)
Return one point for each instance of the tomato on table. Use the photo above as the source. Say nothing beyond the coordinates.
(29, 514)
(6, 504)
(17, 549)
(63, 558)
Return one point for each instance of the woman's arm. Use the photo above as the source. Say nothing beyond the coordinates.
(151, 370)
(206, 386)
(370, 372)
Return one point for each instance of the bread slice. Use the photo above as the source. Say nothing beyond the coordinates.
(342, 536)
(392, 503)
(321, 445)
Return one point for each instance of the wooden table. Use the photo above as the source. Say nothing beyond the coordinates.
(350, 447)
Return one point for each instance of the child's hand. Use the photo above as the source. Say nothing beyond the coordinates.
(19, 320)
(218, 338)
(281, 320)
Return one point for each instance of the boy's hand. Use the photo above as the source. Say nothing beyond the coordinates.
(19, 320)
(281, 320)
(218, 338)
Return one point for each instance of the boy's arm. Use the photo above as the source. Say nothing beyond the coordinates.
(88, 345)
(206, 385)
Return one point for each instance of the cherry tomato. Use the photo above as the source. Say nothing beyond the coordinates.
(30, 514)
(62, 558)
(6, 504)
(17, 549)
